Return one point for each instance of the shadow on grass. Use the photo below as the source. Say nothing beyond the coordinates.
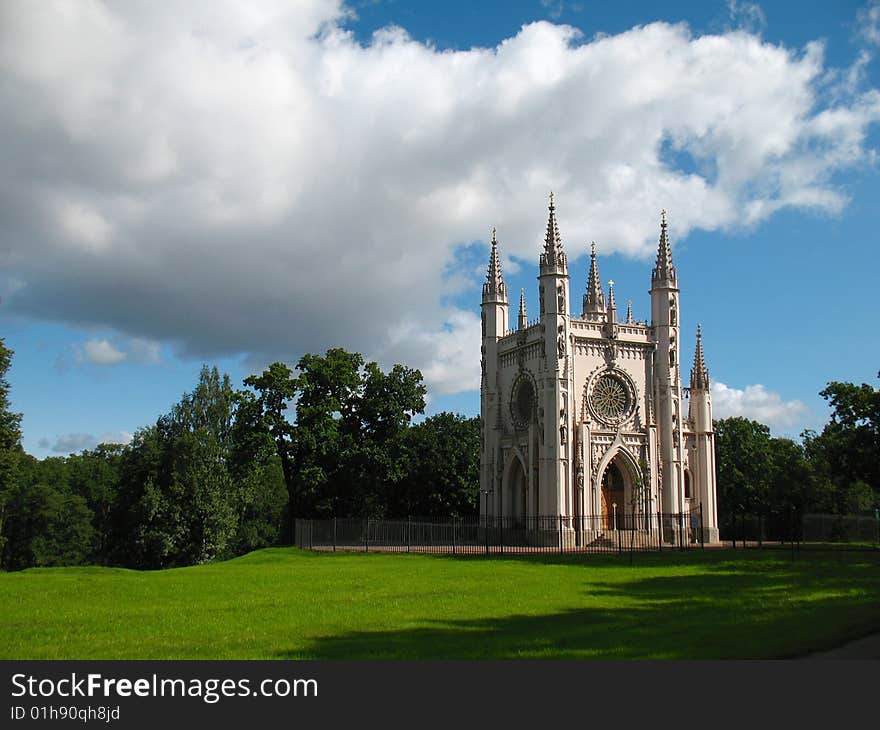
(742, 607)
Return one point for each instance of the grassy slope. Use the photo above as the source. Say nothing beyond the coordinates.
(283, 603)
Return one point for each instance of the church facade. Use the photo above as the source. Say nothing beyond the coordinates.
(584, 419)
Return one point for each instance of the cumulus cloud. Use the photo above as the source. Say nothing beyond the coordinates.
(747, 15)
(101, 352)
(869, 23)
(105, 352)
(237, 178)
(756, 403)
(69, 443)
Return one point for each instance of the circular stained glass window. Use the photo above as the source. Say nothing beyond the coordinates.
(610, 399)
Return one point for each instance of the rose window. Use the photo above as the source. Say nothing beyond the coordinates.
(610, 399)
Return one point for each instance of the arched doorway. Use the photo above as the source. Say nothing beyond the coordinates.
(613, 496)
(517, 488)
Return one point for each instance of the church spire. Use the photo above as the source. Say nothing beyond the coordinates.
(494, 288)
(523, 319)
(699, 373)
(553, 257)
(629, 312)
(594, 299)
(664, 270)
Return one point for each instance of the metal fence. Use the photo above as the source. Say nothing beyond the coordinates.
(473, 536)
(801, 530)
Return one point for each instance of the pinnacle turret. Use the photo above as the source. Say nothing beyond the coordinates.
(664, 270)
(629, 312)
(494, 288)
(523, 318)
(594, 299)
(699, 373)
(553, 257)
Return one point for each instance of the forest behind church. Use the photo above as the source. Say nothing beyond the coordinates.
(224, 470)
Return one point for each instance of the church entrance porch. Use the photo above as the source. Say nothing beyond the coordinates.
(613, 494)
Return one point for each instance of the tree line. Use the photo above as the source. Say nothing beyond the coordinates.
(226, 470)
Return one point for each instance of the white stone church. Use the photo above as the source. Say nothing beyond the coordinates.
(585, 417)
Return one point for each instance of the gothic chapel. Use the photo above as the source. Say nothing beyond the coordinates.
(584, 417)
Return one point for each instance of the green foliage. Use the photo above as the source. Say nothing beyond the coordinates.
(10, 442)
(47, 526)
(846, 455)
(345, 448)
(189, 485)
(443, 478)
(743, 462)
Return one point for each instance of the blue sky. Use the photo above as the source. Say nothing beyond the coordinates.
(234, 184)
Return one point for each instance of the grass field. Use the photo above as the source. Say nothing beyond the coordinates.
(287, 604)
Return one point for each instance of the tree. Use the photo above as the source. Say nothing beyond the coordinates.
(276, 387)
(442, 478)
(178, 503)
(10, 441)
(94, 476)
(743, 463)
(846, 455)
(344, 447)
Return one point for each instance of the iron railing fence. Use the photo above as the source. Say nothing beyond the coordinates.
(625, 532)
(800, 530)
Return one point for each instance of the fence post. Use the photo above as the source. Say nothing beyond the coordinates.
(407, 533)
(502, 536)
(366, 534)
(659, 532)
(559, 533)
(619, 546)
(702, 537)
(486, 528)
(334, 534)
(311, 534)
(453, 535)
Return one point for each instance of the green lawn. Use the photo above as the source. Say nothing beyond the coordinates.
(287, 604)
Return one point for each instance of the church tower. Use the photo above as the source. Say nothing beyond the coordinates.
(667, 376)
(554, 386)
(494, 319)
(700, 479)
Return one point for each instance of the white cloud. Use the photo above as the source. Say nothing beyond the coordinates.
(756, 403)
(869, 22)
(248, 178)
(115, 437)
(105, 352)
(748, 16)
(70, 443)
(101, 352)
